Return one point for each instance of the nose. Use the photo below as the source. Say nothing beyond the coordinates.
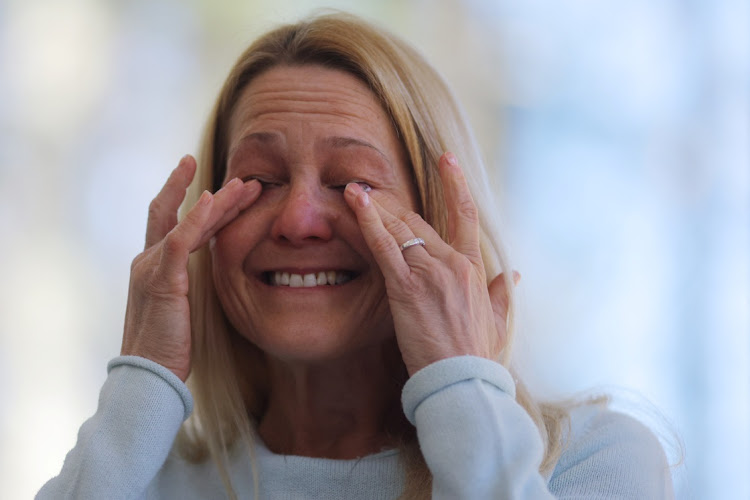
(305, 215)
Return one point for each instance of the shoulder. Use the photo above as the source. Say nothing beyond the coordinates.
(605, 450)
(596, 427)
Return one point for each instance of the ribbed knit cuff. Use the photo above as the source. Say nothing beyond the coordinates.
(160, 371)
(441, 374)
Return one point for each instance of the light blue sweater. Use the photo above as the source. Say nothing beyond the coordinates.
(477, 441)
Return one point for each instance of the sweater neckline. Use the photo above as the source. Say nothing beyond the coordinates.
(264, 453)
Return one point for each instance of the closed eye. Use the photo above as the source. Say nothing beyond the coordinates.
(263, 181)
(366, 187)
(266, 183)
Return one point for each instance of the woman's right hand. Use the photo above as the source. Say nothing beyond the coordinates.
(157, 318)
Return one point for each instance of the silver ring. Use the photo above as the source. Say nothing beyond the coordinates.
(412, 242)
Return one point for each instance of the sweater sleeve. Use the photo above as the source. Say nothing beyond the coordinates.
(480, 443)
(123, 445)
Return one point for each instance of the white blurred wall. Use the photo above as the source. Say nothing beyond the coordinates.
(618, 134)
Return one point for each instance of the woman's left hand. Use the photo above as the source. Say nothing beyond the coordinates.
(438, 293)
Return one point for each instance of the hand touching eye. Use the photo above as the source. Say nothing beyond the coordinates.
(265, 182)
(437, 291)
(365, 187)
(157, 319)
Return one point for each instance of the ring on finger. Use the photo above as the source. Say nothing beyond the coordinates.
(412, 242)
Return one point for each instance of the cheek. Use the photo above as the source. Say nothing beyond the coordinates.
(235, 243)
(231, 248)
(232, 244)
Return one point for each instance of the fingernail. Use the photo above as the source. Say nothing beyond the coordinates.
(364, 199)
(450, 158)
(205, 198)
(359, 192)
(353, 188)
(253, 186)
(516, 277)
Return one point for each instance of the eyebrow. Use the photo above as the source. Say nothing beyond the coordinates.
(345, 142)
(337, 142)
(262, 137)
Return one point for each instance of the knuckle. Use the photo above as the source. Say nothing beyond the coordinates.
(381, 244)
(136, 262)
(136, 266)
(141, 260)
(394, 225)
(157, 289)
(443, 280)
(154, 208)
(410, 287)
(468, 209)
(411, 218)
(460, 265)
(172, 243)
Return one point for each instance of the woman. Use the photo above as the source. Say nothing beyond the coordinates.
(336, 300)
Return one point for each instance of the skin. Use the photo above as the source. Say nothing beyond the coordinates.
(306, 132)
(313, 137)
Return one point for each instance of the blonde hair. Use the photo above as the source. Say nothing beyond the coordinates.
(428, 121)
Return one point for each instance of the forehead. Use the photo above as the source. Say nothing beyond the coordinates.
(312, 115)
(313, 100)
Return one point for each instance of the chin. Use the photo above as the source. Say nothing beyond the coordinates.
(312, 344)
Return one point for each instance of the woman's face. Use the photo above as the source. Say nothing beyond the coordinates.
(293, 272)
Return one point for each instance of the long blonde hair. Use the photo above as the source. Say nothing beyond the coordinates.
(428, 121)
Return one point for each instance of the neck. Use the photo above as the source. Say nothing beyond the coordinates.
(345, 408)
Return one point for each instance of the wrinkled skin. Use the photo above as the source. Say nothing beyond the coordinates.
(304, 141)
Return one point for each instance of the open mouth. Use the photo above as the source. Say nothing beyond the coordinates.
(309, 280)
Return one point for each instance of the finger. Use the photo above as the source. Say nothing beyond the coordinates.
(184, 237)
(380, 241)
(162, 212)
(229, 202)
(463, 217)
(205, 218)
(400, 230)
(402, 222)
(210, 213)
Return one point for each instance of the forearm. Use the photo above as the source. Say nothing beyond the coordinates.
(480, 443)
(122, 446)
(477, 441)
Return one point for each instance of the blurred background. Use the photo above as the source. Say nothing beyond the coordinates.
(617, 132)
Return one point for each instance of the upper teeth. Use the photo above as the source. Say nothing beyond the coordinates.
(279, 278)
